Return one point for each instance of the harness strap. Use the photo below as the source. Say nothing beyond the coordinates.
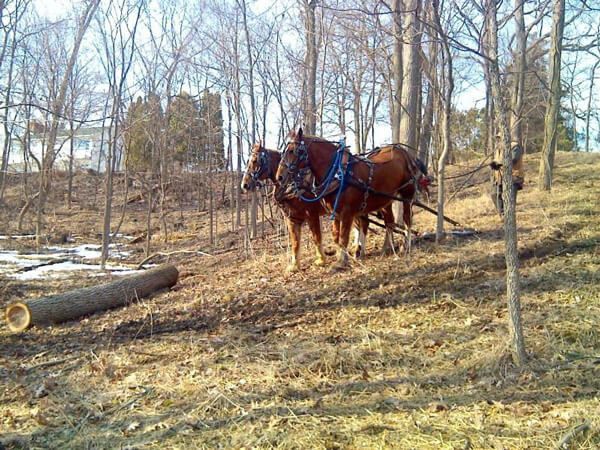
(363, 205)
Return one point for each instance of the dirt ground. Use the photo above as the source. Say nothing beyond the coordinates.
(407, 351)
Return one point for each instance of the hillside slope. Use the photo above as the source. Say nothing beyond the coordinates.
(397, 352)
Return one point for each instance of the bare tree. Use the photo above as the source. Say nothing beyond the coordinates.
(310, 67)
(254, 205)
(396, 102)
(513, 290)
(118, 36)
(553, 106)
(446, 101)
(588, 113)
(411, 82)
(83, 22)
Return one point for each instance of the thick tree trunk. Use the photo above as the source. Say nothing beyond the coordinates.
(553, 107)
(427, 127)
(411, 84)
(61, 307)
(513, 289)
(447, 89)
(516, 118)
(310, 118)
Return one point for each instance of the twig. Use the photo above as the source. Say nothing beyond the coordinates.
(147, 390)
(50, 363)
(585, 426)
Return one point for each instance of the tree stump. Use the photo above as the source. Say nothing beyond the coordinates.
(69, 305)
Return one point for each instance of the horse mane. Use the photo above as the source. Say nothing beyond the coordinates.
(315, 138)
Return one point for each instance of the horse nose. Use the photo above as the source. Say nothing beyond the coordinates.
(280, 178)
(245, 187)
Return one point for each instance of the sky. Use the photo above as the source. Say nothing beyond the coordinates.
(467, 93)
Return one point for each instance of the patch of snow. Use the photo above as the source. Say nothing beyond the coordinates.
(11, 261)
(58, 271)
(18, 236)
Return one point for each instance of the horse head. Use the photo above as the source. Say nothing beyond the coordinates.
(259, 168)
(424, 180)
(294, 158)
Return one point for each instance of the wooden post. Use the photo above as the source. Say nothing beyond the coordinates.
(72, 304)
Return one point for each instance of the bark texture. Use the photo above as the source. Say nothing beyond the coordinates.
(513, 289)
(552, 109)
(69, 305)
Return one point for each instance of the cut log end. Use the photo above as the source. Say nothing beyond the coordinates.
(18, 317)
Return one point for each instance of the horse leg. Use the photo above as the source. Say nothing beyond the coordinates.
(361, 228)
(314, 223)
(388, 219)
(335, 230)
(344, 236)
(295, 230)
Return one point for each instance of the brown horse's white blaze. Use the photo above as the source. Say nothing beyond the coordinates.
(392, 171)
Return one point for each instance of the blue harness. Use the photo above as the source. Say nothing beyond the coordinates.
(335, 171)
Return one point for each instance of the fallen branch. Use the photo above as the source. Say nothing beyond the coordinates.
(148, 258)
(55, 362)
(428, 235)
(44, 264)
(584, 427)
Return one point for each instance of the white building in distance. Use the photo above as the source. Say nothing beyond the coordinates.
(89, 149)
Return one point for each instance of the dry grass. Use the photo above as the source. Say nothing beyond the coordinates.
(405, 352)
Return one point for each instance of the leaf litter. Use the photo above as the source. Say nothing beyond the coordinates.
(397, 352)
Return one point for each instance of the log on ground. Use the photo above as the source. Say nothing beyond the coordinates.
(69, 305)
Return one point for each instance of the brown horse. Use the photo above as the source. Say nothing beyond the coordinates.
(261, 167)
(391, 171)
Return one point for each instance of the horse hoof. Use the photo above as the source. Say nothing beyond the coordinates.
(291, 268)
(319, 262)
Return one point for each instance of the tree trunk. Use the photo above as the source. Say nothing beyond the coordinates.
(7, 130)
(69, 305)
(447, 89)
(71, 156)
(589, 107)
(427, 127)
(396, 103)
(513, 290)
(489, 120)
(516, 119)
(254, 204)
(411, 84)
(310, 112)
(553, 106)
(357, 121)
